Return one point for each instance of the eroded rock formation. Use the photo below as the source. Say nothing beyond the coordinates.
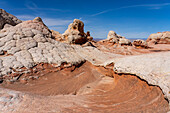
(75, 33)
(75, 78)
(92, 91)
(113, 38)
(7, 19)
(159, 38)
(140, 43)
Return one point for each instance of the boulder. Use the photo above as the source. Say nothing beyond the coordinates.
(75, 33)
(159, 38)
(6, 18)
(140, 43)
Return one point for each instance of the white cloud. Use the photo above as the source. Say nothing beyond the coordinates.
(56, 22)
(151, 6)
(25, 17)
(47, 21)
(137, 34)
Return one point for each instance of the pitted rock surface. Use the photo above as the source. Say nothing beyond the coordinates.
(75, 33)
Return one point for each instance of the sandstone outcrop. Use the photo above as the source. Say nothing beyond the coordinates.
(140, 43)
(6, 18)
(123, 41)
(86, 89)
(75, 33)
(89, 38)
(113, 38)
(154, 68)
(57, 36)
(159, 38)
(75, 78)
(31, 42)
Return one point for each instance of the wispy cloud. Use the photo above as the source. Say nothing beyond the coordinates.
(57, 24)
(34, 7)
(48, 21)
(151, 6)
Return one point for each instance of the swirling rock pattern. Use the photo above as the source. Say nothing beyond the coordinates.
(92, 91)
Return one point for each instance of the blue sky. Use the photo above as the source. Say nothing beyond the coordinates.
(130, 18)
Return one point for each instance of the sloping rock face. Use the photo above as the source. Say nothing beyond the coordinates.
(57, 36)
(6, 18)
(154, 68)
(160, 38)
(140, 43)
(75, 33)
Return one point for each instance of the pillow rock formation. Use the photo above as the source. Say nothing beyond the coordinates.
(112, 37)
(6, 18)
(37, 68)
(75, 33)
(159, 38)
(140, 43)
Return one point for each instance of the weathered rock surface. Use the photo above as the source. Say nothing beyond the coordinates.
(154, 68)
(89, 38)
(30, 43)
(29, 50)
(113, 38)
(57, 36)
(92, 91)
(140, 43)
(124, 42)
(75, 33)
(6, 18)
(159, 38)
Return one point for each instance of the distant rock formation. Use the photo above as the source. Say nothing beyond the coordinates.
(89, 38)
(113, 38)
(140, 43)
(6, 18)
(75, 33)
(159, 38)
